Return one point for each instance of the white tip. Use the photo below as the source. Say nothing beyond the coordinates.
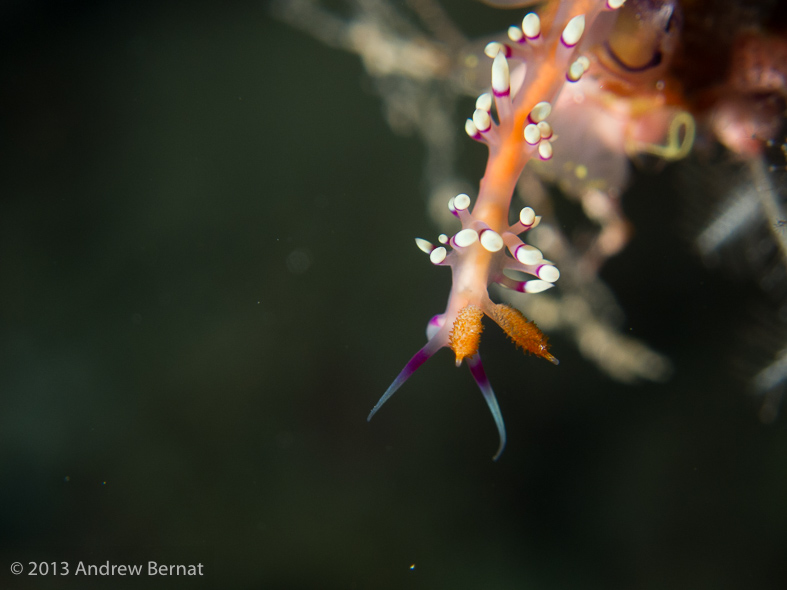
(537, 286)
(470, 128)
(482, 120)
(515, 34)
(527, 254)
(540, 112)
(484, 102)
(442, 238)
(465, 238)
(537, 221)
(575, 71)
(573, 31)
(491, 240)
(531, 25)
(493, 48)
(532, 134)
(548, 273)
(545, 150)
(545, 130)
(582, 59)
(615, 4)
(461, 202)
(527, 216)
(424, 245)
(438, 255)
(501, 81)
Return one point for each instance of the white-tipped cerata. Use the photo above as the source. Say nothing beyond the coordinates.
(545, 149)
(438, 255)
(531, 25)
(573, 31)
(466, 237)
(545, 129)
(537, 286)
(615, 4)
(491, 240)
(484, 102)
(442, 238)
(493, 48)
(424, 246)
(548, 273)
(540, 112)
(461, 202)
(482, 120)
(527, 254)
(471, 129)
(501, 81)
(532, 134)
(575, 71)
(527, 216)
(515, 34)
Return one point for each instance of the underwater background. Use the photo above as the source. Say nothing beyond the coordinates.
(207, 280)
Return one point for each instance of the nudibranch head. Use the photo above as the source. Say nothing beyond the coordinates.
(478, 256)
(465, 334)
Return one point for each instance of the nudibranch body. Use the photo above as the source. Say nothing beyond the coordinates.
(487, 245)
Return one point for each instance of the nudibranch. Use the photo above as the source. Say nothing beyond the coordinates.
(488, 245)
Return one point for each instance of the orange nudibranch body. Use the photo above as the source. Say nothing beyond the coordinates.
(546, 56)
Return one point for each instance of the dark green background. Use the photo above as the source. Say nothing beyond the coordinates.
(207, 279)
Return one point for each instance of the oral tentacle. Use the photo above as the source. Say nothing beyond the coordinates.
(477, 370)
(419, 358)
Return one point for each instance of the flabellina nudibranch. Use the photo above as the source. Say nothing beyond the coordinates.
(547, 50)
